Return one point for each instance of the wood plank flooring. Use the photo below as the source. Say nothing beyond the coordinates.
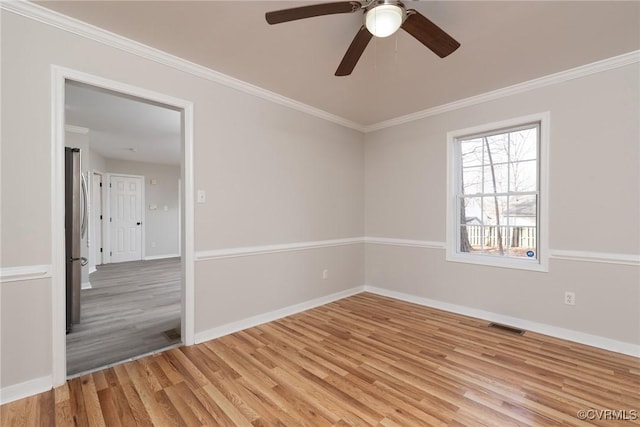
(364, 360)
(126, 313)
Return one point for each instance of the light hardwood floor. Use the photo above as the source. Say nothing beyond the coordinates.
(363, 360)
(126, 313)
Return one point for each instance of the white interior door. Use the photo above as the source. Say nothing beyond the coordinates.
(126, 218)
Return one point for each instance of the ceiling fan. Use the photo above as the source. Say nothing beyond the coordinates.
(382, 18)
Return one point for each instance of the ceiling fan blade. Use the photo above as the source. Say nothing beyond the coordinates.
(295, 13)
(358, 45)
(429, 34)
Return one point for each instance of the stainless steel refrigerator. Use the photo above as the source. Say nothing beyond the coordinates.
(75, 228)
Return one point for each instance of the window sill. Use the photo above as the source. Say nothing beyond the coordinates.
(493, 261)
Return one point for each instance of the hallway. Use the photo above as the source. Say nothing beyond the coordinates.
(133, 308)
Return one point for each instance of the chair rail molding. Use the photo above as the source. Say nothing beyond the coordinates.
(556, 254)
(25, 272)
(280, 247)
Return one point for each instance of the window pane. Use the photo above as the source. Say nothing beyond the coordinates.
(471, 152)
(472, 180)
(471, 238)
(522, 242)
(494, 209)
(523, 213)
(524, 176)
(522, 210)
(524, 144)
(495, 179)
(471, 210)
(496, 149)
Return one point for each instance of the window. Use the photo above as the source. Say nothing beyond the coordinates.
(496, 194)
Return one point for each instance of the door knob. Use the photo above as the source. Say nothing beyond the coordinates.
(138, 223)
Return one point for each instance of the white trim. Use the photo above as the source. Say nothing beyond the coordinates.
(559, 254)
(551, 79)
(404, 242)
(91, 32)
(259, 319)
(58, 77)
(86, 285)
(453, 182)
(603, 257)
(82, 29)
(265, 249)
(24, 272)
(76, 129)
(58, 285)
(25, 389)
(541, 328)
(154, 257)
(187, 249)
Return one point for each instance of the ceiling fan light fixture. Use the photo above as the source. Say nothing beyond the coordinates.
(384, 20)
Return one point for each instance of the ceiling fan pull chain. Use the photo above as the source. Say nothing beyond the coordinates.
(395, 52)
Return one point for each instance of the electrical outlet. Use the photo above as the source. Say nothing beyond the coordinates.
(325, 274)
(570, 298)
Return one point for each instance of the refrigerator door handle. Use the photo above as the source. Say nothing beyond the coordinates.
(83, 224)
(83, 261)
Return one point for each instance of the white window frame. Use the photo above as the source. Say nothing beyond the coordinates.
(453, 183)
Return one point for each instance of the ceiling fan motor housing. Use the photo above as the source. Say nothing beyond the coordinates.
(384, 17)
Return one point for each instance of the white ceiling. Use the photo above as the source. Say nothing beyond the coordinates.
(123, 127)
(503, 43)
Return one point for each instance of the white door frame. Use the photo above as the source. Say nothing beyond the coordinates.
(107, 251)
(59, 75)
(95, 224)
(98, 229)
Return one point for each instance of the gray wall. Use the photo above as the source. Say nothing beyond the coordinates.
(594, 206)
(97, 162)
(161, 227)
(272, 175)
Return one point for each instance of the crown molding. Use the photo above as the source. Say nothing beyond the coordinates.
(562, 76)
(91, 32)
(75, 26)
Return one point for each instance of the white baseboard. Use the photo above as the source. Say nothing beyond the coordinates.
(152, 257)
(92, 269)
(541, 328)
(250, 322)
(85, 285)
(25, 389)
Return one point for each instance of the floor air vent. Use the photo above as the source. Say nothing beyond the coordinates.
(506, 328)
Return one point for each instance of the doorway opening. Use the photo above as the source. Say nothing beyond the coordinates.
(136, 292)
